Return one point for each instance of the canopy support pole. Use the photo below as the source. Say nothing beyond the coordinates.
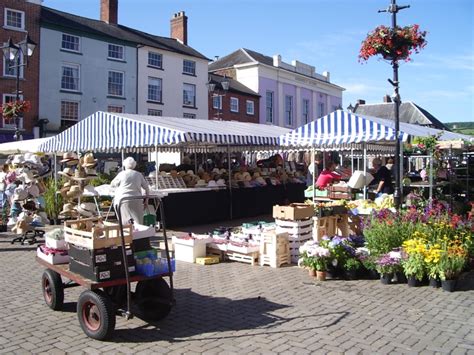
(313, 167)
(365, 169)
(123, 157)
(156, 167)
(431, 179)
(195, 160)
(55, 166)
(230, 181)
(352, 161)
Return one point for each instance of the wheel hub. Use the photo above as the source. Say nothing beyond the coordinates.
(91, 316)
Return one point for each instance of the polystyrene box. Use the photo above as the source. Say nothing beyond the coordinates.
(357, 180)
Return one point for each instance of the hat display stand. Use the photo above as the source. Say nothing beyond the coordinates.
(25, 197)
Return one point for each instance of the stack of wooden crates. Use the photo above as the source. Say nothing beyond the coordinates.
(296, 220)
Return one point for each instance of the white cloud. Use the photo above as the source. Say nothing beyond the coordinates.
(443, 61)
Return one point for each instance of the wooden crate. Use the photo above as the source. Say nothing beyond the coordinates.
(324, 226)
(274, 249)
(107, 236)
(251, 258)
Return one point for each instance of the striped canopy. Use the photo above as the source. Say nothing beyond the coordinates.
(341, 128)
(115, 131)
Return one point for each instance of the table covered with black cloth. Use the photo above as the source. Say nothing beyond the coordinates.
(209, 206)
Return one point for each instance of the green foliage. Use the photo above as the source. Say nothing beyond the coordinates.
(53, 201)
(352, 264)
(102, 179)
(414, 265)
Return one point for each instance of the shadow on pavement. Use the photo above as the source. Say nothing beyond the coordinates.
(198, 315)
(466, 282)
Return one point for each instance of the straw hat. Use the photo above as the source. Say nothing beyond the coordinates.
(174, 173)
(260, 181)
(190, 172)
(216, 171)
(90, 172)
(212, 183)
(67, 172)
(69, 156)
(247, 177)
(74, 191)
(222, 171)
(220, 182)
(201, 183)
(89, 161)
(68, 208)
(18, 159)
(87, 209)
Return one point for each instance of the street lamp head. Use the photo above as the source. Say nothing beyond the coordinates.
(350, 108)
(225, 83)
(210, 86)
(27, 46)
(10, 50)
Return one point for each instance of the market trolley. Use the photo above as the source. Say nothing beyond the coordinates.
(98, 305)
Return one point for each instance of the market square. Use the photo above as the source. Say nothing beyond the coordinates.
(298, 189)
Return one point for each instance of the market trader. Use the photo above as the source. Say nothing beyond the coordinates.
(130, 183)
(382, 178)
(327, 176)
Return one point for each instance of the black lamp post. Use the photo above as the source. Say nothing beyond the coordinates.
(397, 195)
(213, 87)
(18, 53)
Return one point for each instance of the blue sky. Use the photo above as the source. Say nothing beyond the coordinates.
(327, 34)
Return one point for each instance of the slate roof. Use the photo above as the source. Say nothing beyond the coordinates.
(244, 55)
(409, 113)
(234, 85)
(55, 18)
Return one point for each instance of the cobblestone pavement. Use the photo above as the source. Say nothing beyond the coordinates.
(237, 308)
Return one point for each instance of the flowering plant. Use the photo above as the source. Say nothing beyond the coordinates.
(393, 44)
(315, 256)
(452, 261)
(15, 108)
(389, 263)
(413, 261)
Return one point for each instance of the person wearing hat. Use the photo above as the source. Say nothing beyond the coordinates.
(382, 178)
(130, 182)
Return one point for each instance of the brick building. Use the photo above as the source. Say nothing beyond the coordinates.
(238, 103)
(19, 18)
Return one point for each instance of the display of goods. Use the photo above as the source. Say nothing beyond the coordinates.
(188, 248)
(243, 247)
(52, 256)
(96, 257)
(149, 263)
(294, 211)
(340, 195)
(92, 233)
(100, 273)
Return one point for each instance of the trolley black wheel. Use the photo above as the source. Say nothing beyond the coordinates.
(117, 294)
(53, 290)
(152, 299)
(96, 314)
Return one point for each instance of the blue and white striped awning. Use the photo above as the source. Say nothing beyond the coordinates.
(340, 128)
(115, 131)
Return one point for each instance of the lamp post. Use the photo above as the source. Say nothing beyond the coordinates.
(213, 87)
(19, 54)
(397, 196)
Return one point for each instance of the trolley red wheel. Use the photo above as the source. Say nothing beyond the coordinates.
(96, 314)
(53, 290)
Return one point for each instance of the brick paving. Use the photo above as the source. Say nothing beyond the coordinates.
(236, 308)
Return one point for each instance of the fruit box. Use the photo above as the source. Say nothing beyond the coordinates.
(54, 258)
(293, 212)
(208, 260)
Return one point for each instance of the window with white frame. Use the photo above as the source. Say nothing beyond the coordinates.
(154, 89)
(70, 77)
(217, 102)
(70, 42)
(10, 67)
(321, 112)
(250, 107)
(115, 109)
(234, 104)
(11, 123)
(189, 115)
(155, 60)
(269, 107)
(14, 19)
(305, 111)
(288, 110)
(189, 67)
(154, 112)
(115, 83)
(189, 95)
(69, 113)
(115, 52)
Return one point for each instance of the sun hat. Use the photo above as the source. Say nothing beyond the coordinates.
(68, 208)
(90, 190)
(18, 159)
(190, 172)
(90, 172)
(201, 183)
(20, 194)
(67, 172)
(260, 181)
(89, 161)
(74, 191)
(216, 170)
(87, 209)
(68, 156)
(26, 176)
(221, 182)
(211, 183)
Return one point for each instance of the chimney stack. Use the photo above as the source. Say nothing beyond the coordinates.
(387, 99)
(109, 11)
(360, 102)
(179, 27)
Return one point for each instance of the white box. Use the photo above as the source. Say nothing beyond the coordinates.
(357, 180)
(140, 231)
(55, 244)
(189, 249)
(53, 258)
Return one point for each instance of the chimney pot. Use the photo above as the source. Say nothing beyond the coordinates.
(387, 98)
(361, 102)
(179, 27)
(109, 11)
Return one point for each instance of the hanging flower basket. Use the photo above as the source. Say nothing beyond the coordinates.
(393, 44)
(13, 109)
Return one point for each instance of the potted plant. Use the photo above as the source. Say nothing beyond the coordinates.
(351, 268)
(451, 264)
(320, 257)
(387, 265)
(413, 261)
(393, 43)
(53, 201)
(432, 260)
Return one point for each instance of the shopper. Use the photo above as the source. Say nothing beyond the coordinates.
(327, 176)
(130, 183)
(382, 178)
